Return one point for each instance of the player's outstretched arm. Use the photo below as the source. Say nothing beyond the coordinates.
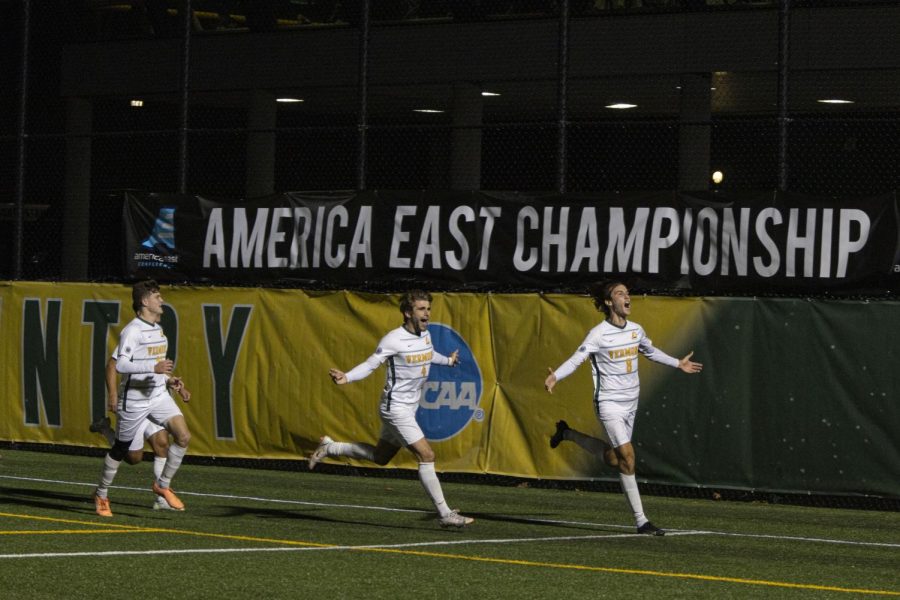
(689, 366)
(550, 382)
(339, 377)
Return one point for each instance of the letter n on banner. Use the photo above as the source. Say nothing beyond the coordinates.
(40, 361)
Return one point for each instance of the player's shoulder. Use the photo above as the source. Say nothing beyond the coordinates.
(134, 326)
(394, 337)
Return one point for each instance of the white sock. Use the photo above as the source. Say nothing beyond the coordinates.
(429, 479)
(159, 462)
(633, 497)
(173, 461)
(352, 450)
(110, 467)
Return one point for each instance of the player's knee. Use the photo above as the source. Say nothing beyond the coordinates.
(610, 458)
(426, 456)
(183, 438)
(160, 444)
(119, 450)
(626, 465)
(134, 457)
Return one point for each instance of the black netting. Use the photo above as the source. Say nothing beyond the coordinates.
(462, 95)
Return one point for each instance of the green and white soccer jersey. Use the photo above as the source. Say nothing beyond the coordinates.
(613, 352)
(141, 346)
(408, 359)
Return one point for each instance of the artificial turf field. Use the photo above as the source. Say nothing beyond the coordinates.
(251, 533)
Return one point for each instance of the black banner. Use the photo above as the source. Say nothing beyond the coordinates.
(745, 243)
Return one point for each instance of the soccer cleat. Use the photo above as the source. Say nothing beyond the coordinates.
(161, 504)
(321, 451)
(100, 425)
(556, 438)
(649, 528)
(101, 505)
(169, 495)
(454, 519)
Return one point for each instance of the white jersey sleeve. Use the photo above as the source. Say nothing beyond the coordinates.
(650, 351)
(375, 360)
(440, 359)
(588, 346)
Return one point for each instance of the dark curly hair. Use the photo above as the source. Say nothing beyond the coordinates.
(141, 290)
(601, 291)
(410, 298)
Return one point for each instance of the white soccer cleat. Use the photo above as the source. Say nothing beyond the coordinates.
(321, 451)
(454, 519)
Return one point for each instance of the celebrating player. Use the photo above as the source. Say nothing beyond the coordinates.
(409, 354)
(613, 347)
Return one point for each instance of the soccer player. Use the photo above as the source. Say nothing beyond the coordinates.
(613, 347)
(156, 436)
(409, 354)
(141, 357)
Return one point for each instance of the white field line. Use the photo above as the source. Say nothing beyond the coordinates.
(181, 492)
(319, 548)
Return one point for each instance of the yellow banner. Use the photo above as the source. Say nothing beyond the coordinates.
(257, 364)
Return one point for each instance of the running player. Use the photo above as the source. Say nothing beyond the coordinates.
(409, 354)
(156, 436)
(613, 347)
(141, 357)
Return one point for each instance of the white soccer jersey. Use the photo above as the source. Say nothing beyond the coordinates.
(409, 357)
(614, 360)
(141, 346)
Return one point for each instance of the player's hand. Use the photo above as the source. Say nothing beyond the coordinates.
(112, 403)
(164, 367)
(550, 382)
(177, 385)
(689, 366)
(454, 358)
(339, 377)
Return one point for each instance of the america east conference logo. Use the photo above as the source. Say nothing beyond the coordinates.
(158, 250)
(452, 394)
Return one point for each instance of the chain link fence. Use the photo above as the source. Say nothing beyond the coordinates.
(411, 110)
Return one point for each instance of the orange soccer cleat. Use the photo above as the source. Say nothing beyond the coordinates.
(169, 495)
(102, 506)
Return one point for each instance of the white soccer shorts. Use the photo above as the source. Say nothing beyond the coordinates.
(145, 431)
(617, 419)
(158, 411)
(398, 423)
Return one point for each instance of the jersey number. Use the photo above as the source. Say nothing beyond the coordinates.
(629, 365)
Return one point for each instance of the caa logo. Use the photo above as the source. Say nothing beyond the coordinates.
(452, 394)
